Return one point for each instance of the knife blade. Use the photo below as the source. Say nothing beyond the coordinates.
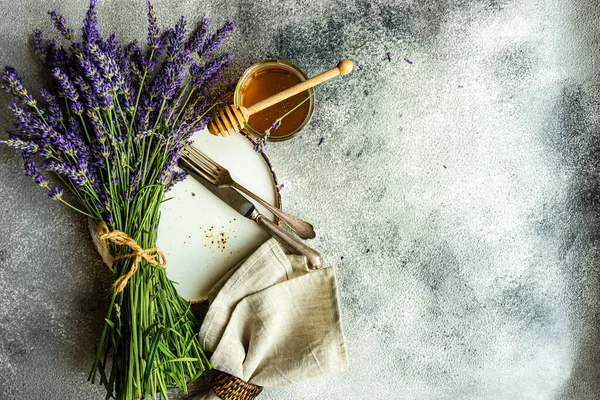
(242, 205)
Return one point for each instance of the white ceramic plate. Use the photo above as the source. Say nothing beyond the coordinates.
(201, 236)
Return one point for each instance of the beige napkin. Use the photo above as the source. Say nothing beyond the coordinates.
(273, 322)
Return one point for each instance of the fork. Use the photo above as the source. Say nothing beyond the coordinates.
(219, 176)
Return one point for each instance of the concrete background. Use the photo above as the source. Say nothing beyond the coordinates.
(470, 173)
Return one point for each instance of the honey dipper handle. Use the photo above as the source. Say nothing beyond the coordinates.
(344, 67)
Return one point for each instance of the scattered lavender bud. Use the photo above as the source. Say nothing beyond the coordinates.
(388, 56)
(342, 257)
(321, 141)
(281, 186)
(368, 250)
(361, 67)
(408, 61)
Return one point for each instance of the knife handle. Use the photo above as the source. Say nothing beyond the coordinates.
(313, 258)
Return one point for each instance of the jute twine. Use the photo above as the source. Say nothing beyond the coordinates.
(151, 256)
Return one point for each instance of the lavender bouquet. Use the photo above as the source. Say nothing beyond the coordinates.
(110, 131)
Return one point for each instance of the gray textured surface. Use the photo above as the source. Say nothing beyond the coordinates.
(471, 175)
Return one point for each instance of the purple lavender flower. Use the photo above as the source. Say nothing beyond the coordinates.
(197, 37)
(55, 115)
(176, 40)
(153, 29)
(56, 193)
(261, 143)
(61, 25)
(29, 166)
(321, 141)
(24, 122)
(207, 75)
(87, 94)
(67, 88)
(176, 177)
(134, 183)
(90, 25)
(213, 42)
(11, 82)
(388, 56)
(38, 46)
(77, 176)
(41, 181)
(107, 65)
(111, 45)
(275, 125)
(101, 89)
(24, 146)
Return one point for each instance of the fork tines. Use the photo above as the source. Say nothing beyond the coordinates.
(199, 165)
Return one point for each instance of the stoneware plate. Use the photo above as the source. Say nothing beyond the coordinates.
(201, 236)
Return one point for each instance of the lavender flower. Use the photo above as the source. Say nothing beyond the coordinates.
(261, 143)
(29, 166)
(61, 25)
(207, 75)
(153, 29)
(101, 89)
(134, 183)
(41, 181)
(67, 88)
(77, 176)
(213, 42)
(176, 177)
(176, 40)
(54, 113)
(11, 82)
(55, 193)
(197, 37)
(24, 146)
(38, 46)
(90, 33)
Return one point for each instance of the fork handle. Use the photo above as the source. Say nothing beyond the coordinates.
(302, 228)
(313, 258)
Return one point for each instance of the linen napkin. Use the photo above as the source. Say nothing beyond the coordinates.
(273, 322)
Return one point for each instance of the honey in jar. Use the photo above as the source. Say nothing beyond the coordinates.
(269, 78)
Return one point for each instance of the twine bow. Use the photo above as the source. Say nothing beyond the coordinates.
(151, 256)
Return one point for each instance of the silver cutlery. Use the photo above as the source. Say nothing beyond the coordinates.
(219, 176)
(243, 206)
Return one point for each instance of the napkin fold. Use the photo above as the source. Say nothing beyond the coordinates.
(273, 322)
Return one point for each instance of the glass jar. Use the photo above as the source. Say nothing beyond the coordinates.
(264, 79)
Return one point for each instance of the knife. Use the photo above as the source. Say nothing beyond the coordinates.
(246, 208)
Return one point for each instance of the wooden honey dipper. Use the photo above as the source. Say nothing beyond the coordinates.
(231, 119)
